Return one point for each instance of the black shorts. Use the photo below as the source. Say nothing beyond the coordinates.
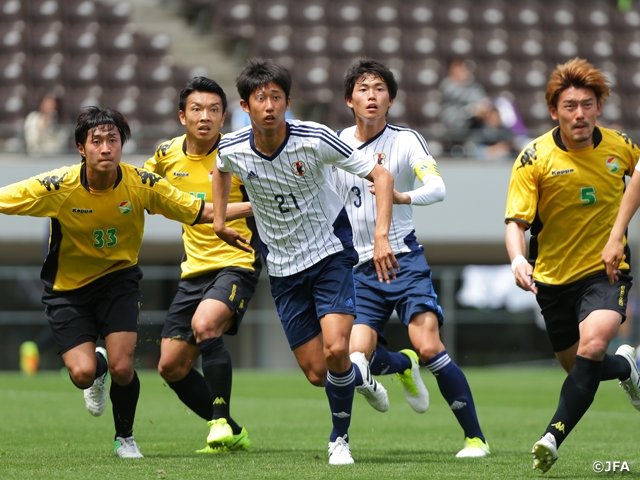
(232, 286)
(107, 305)
(565, 306)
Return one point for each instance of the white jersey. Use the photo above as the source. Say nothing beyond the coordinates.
(402, 151)
(300, 217)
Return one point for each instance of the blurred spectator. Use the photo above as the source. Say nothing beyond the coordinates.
(42, 132)
(461, 95)
(491, 139)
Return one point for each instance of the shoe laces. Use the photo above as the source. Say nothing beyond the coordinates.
(340, 446)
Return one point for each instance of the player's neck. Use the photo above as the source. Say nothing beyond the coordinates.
(268, 142)
(101, 180)
(199, 148)
(366, 129)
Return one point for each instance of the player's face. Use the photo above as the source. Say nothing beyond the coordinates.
(267, 107)
(370, 98)
(102, 149)
(577, 113)
(203, 116)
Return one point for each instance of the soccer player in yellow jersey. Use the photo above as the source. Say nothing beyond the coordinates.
(218, 280)
(566, 186)
(91, 274)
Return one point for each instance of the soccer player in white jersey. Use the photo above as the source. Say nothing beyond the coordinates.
(369, 91)
(305, 234)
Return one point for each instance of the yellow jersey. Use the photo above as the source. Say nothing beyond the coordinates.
(94, 232)
(570, 200)
(204, 251)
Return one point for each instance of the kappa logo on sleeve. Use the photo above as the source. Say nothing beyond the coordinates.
(49, 181)
(162, 149)
(150, 177)
(528, 156)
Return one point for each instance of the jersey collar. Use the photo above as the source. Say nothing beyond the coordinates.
(374, 138)
(215, 145)
(85, 183)
(557, 138)
(276, 153)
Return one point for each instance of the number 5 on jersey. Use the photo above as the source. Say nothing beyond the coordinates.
(587, 196)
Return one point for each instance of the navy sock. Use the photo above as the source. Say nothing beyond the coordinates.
(340, 388)
(101, 366)
(615, 366)
(194, 393)
(456, 391)
(384, 362)
(216, 367)
(124, 400)
(576, 396)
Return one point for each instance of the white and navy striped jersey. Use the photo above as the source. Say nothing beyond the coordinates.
(402, 151)
(300, 217)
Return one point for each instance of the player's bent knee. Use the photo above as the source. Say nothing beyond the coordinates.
(336, 352)
(427, 352)
(172, 372)
(121, 373)
(81, 378)
(316, 380)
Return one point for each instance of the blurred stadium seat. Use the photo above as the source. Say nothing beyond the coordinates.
(311, 13)
(454, 14)
(381, 14)
(11, 11)
(416, 14)
(346, 13)
(488, 15)
(235, 19)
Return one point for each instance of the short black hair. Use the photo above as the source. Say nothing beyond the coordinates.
(260, 72)
(92, 117)
(202, 84)
(369, 66)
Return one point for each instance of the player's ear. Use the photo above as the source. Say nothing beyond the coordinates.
(183, 119)
(244, 105)
(224, 115)
(288, 102)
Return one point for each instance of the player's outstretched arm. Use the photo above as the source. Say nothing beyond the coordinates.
(383, 257)
(614, 249)
(431, 191)
(221, 186)
(516, 247)
(237, 210)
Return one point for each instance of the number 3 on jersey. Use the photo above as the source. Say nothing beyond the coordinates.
(587, 196)
(105, 238)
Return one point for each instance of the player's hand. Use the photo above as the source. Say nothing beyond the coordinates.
(384, 260)
(611, 257)
(399, 198)
(233, 238)
(524, 277)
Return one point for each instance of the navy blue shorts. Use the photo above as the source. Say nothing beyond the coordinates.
(107, 305)
(565, 306)
(410, 293)
(302, 299)
(232, 286)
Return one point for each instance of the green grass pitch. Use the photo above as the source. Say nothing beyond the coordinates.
(47, 433)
